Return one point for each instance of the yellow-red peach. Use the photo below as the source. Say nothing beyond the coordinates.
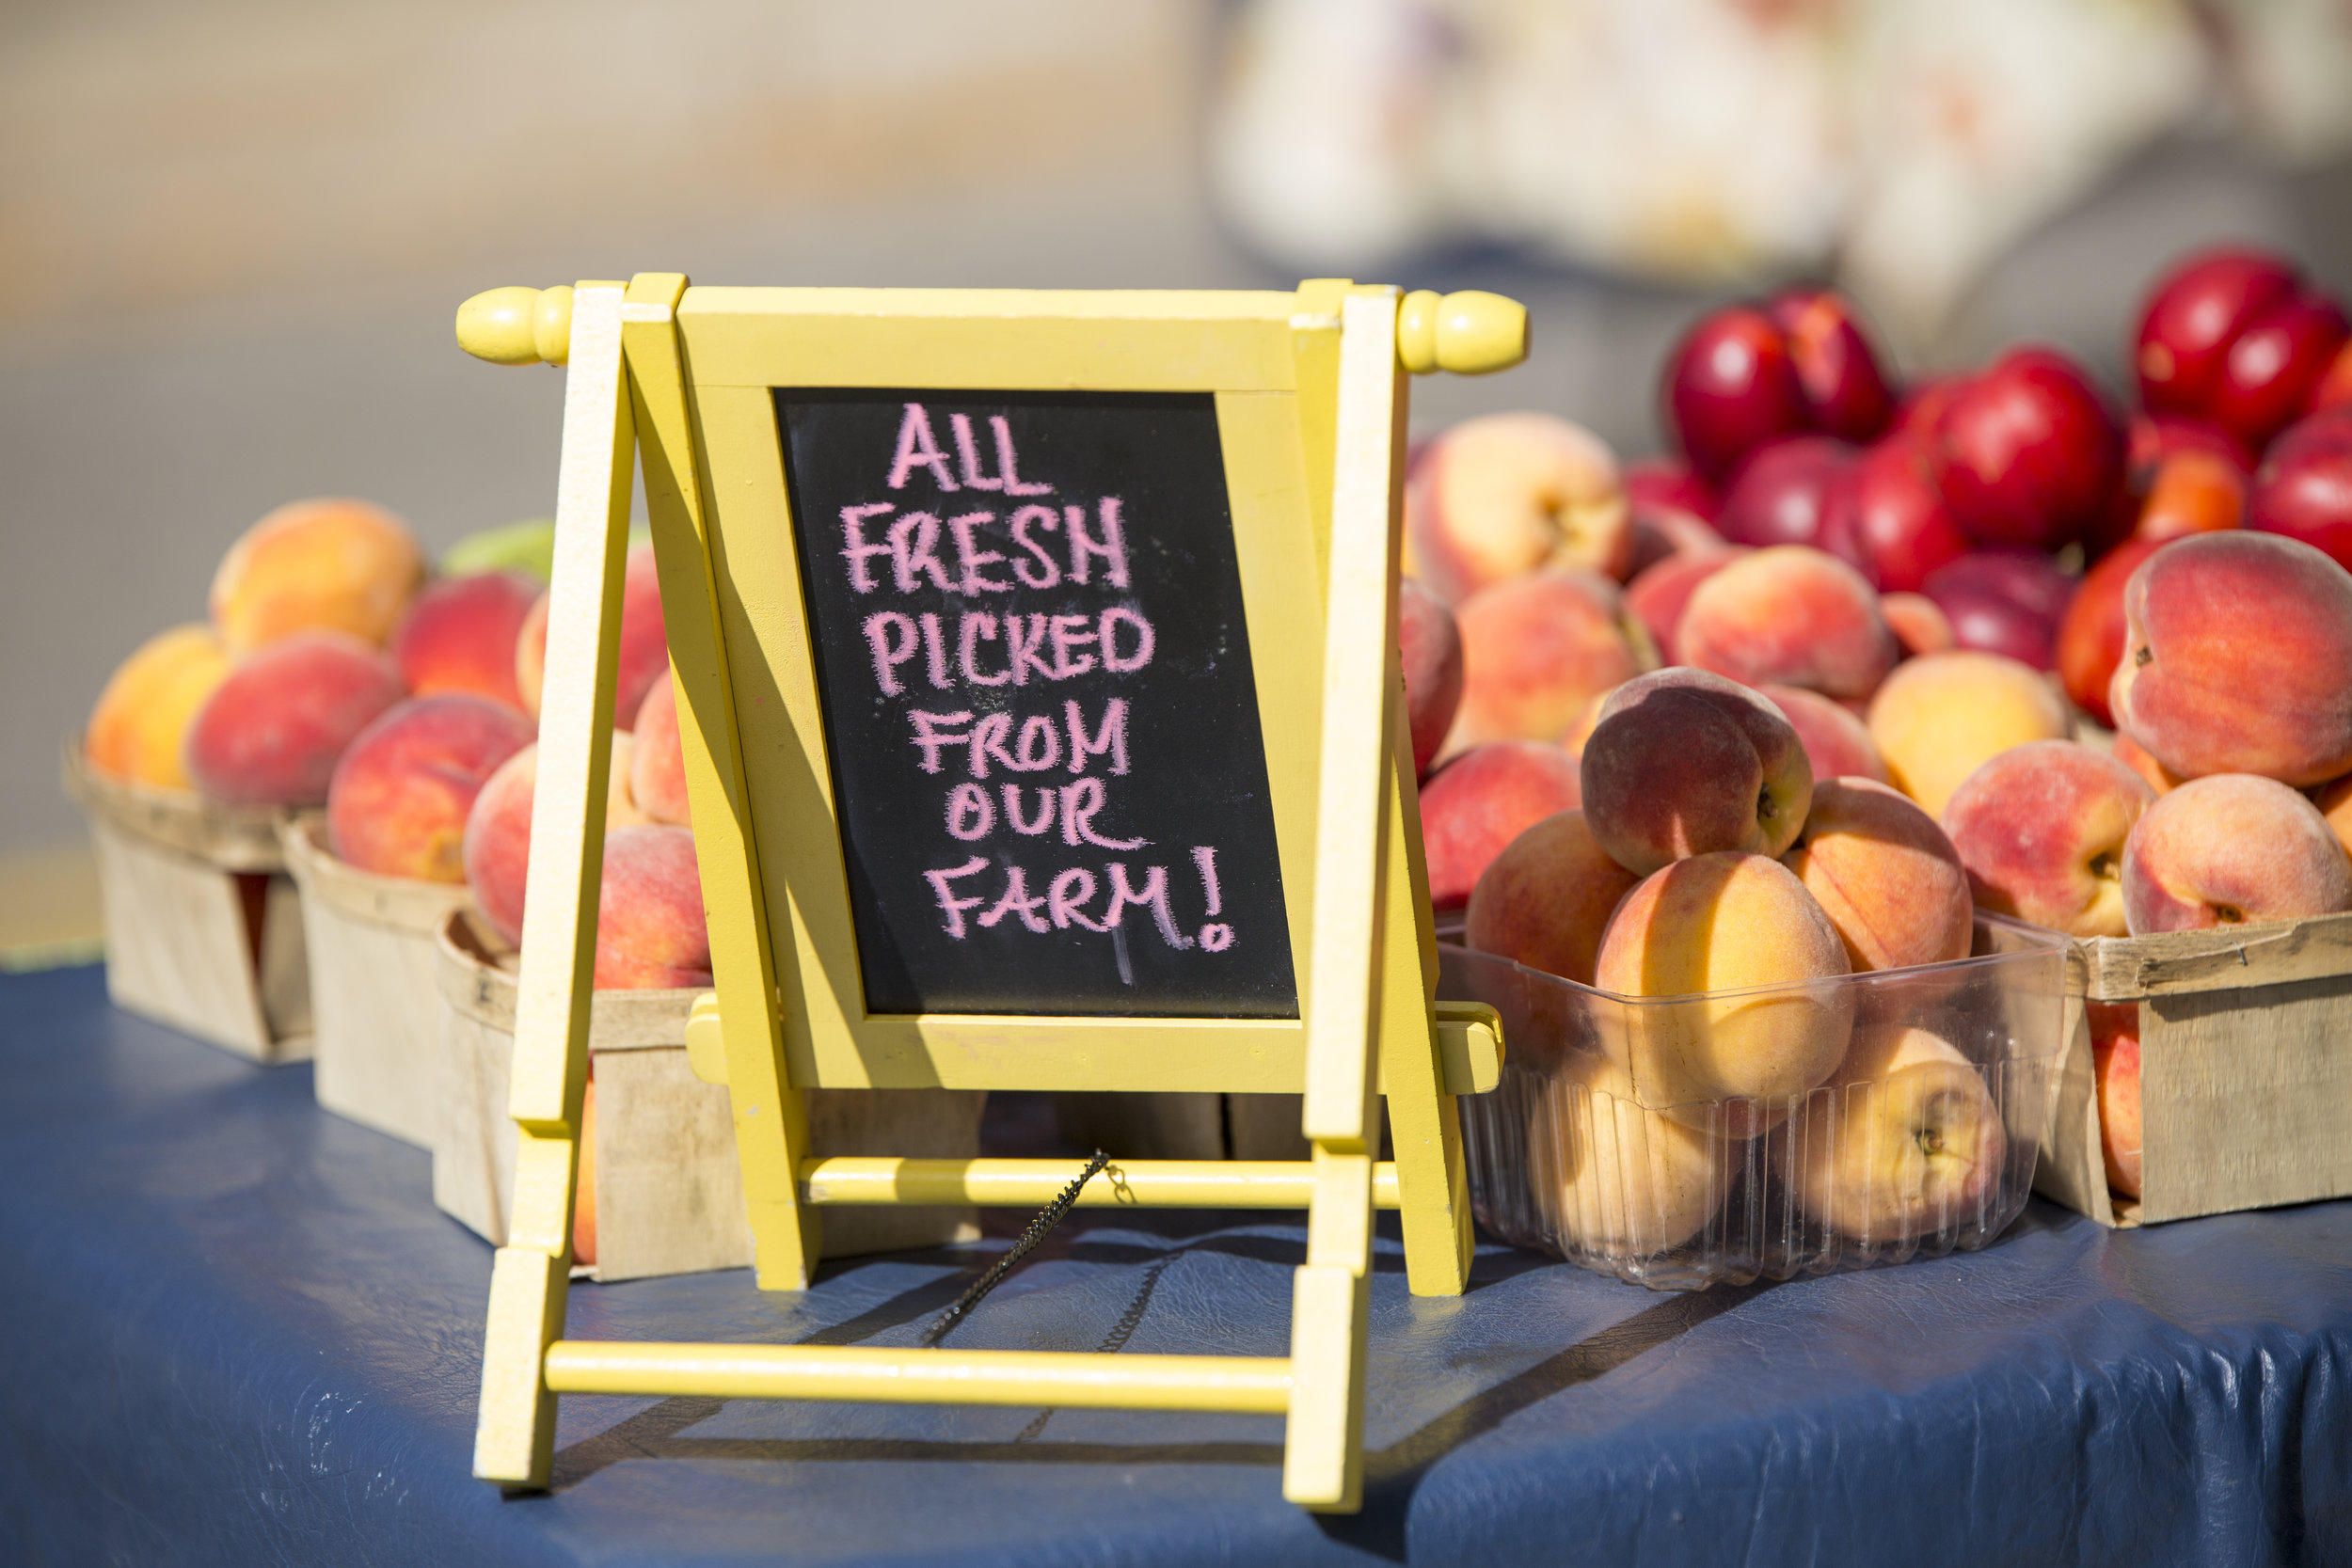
(2334, 801)
(1685, 763)
(1631, 1182)
(2236, 646)
(584, 1189)
(1792, 615)
(1506, 493)
(2230, 848)
(1729, 922)
(398, 802)
(459, 635)
(274, 728)
(1546, 899)
(1535, 648)
(1940, 717)
(650, 933)
(1429, 644)
(1884, 874)
(2132, 755)
(1476, 804)
(330, 566)
(645, 645)
(2042, 828)
(2115, 1065)
(657, 771)
(139, 728)
(1904, 1140)
(1834, 739)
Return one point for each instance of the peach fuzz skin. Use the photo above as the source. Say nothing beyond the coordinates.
(2158, 777)
(459, 636)
(650, 932)
(2231, 848)
(398, 802)
(1429, 645)
(274, 728)
(1885, 875)
(1939, 718)
(2115, 1065)
(1476, 804)
(1546, 899)
(1837, 741)
(1535, 649)
(1658, 597)
(1918, 623)
(1792, 615)
(1502, 495)
(1734, 922)
(656, 770)
(1909, 1141)
(2042, 828)
(331, 565)
(1633, 1182)
(137, 730)
(1684, 763)
(2236, 647)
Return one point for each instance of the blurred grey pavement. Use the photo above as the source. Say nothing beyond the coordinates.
(235, 234)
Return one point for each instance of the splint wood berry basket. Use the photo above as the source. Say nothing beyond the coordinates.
(203, 927)
(2246, 1070)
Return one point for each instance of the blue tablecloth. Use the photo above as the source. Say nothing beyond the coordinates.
(234, 1330)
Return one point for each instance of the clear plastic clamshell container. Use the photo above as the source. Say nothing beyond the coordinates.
(1920, 1139)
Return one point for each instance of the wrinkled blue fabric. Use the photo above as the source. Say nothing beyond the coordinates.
(236, 1331)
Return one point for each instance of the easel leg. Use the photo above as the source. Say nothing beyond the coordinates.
(1433, 1184)
(1323, 1445)
(514, 1439)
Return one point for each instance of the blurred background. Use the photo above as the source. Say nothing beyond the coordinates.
(235, 231)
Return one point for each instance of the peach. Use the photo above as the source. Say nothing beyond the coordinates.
(140, 724)
(2132, 755)
(644, 643)
(331, 565)
(459, 636)
(656, 770)
(1581, 728)
(1660, 533)
(584, 1188)
(2235, 648)
(2042, 828)
(1837, 742)
(1686, 763)
(2193, 492)
(1534, 648)
(1476, 804)
(650, 933)
(398, 802)
(1661, 593)
(1631, 1183)
(1545, 900)
(1904, 1140)
(272, 731)
(495, 847)
(1885, 875)
(1506, 494)
(1430, 646)
(1918, 623)
(1792, 615)
(2231, 848)
(2115, 1067)
(1727, 923)
(1939, 717)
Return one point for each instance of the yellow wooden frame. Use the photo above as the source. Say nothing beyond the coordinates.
(1310, 410)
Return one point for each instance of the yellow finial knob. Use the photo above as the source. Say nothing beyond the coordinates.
(517, 325)
(1470, 332)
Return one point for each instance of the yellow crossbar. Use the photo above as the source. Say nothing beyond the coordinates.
(1141, 1183)
(1257, 1386)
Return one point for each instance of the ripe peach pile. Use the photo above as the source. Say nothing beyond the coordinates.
(335, 673)
(1838, 664)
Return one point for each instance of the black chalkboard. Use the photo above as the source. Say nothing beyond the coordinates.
(1044, 727)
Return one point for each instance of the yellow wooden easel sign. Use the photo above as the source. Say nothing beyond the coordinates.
(1036, 663)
